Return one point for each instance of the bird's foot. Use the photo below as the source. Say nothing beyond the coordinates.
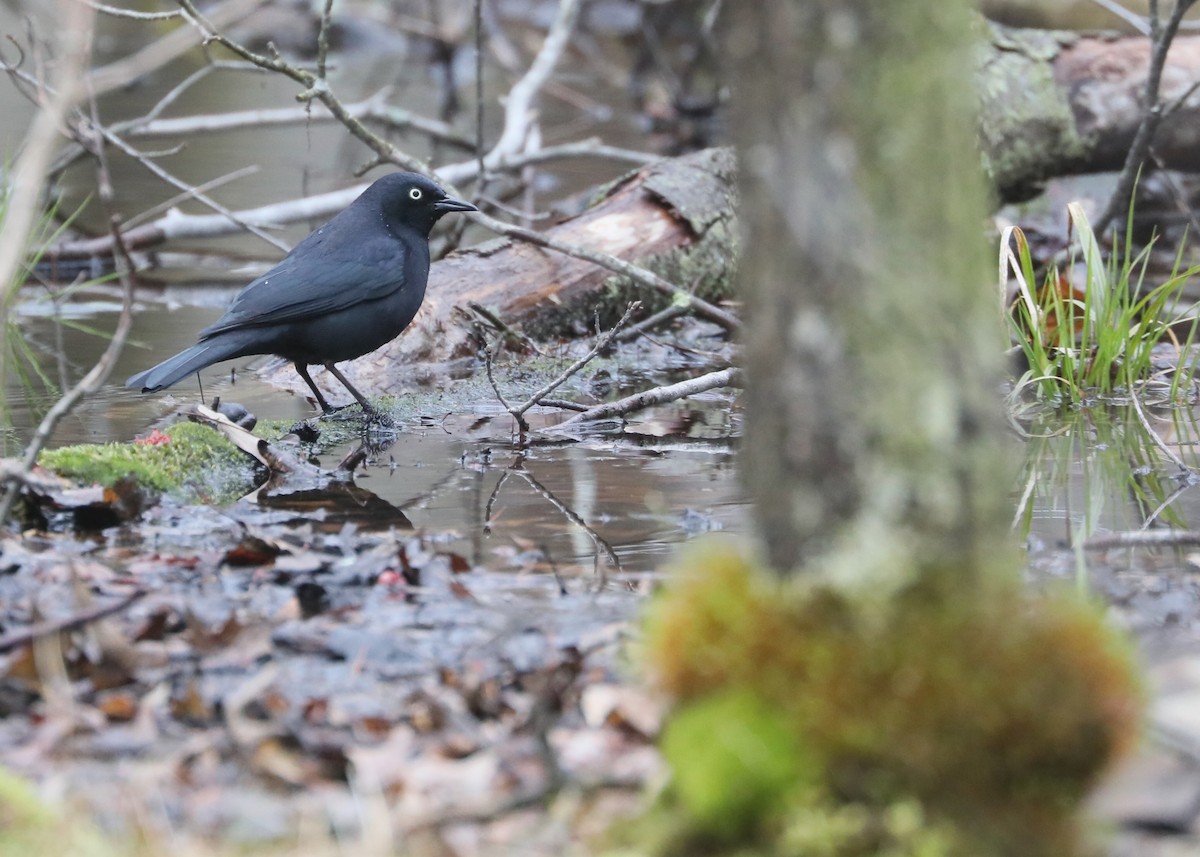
(377, 419)
(373, 417)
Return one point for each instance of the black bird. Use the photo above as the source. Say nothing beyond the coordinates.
(342, 292)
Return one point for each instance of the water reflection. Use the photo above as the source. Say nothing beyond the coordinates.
(65, 339)
(1104, 468)
(578, 508)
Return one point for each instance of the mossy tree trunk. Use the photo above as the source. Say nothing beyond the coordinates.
(873, 437)
(888, 665)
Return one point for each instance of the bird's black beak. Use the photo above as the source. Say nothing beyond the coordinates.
(449, 203)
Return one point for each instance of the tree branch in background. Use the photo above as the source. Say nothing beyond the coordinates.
(177, 225)
(27, 177)
(98, 374)
(1153, 112)
(315, 88)
(161, 51)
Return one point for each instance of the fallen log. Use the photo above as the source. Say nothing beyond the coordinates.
(1058, 103)
(674, 217)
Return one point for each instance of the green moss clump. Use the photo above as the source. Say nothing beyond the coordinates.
(990, 712)
(742, 757)
(30, 827)
(194, 458)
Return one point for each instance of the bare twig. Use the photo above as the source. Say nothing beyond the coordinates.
(563, 404)
(159, 52)
(487, 361)
(146, 159)
(651, 397)
(373, 109)
(1143, 539)
(518, 106)
(462, 171)
(599, 345)
(506, 330)
(315, 88)
(1131, 18)
(636, 273)
(1161, 36)
(495, 495)
(647, 324)
(192, 191)
(116, 12)
(178, 225)
(323, 40)
(479, 91)
(167, 204)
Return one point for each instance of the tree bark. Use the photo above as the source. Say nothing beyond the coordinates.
(1056, 103)
(1070, 14)
(873, 427)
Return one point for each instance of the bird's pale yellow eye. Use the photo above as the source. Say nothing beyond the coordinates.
(415, 193)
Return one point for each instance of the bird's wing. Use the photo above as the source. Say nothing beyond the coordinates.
(310, 283)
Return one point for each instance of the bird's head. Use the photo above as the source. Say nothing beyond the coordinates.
(413, 200)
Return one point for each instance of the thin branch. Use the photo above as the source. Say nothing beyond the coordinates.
(495, 495)
(116, 12)
(167, 204)
(518, 105)
(323, 39)
(563, 404)
(487, 362)
(479, 91)
(1132, 18)
(1162, 35)
(638, 274)
(178, 225)
(647, 324)
(156, 54)
(1143, 539)
(315, 88)
(649, 398)
(506, 330)
(170, 179)
(375, 109)
(599, 345)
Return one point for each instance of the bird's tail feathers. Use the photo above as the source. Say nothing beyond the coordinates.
(173, 369)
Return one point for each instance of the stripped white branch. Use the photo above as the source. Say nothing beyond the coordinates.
(650, 398)
(518, 106)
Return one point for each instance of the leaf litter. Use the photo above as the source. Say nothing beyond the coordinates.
(231, 673)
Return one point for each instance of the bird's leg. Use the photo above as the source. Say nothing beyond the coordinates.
(302, 368)
(362, 400)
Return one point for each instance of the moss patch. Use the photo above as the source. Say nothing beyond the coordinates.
(989, 713)
(29, 827)
(193, 460)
